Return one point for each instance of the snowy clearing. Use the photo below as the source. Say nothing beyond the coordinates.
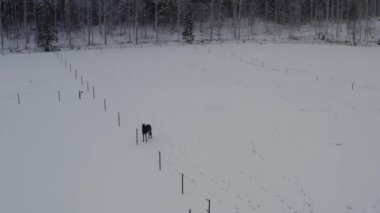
(253, 128)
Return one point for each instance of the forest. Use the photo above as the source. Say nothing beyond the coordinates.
(48, 24)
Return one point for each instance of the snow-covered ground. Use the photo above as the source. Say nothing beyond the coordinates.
(253, 128)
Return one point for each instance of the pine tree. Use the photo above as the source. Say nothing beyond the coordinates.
(46, 33)
(187, 34)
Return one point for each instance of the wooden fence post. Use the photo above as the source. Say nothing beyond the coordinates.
(118, 118)
(182, 184)
(159, 160)
(18, 98)
(137, 137)
(93, 92)
(209, 205)
(59, 96)
(76, 74)
(105, 105)
(352, 85)
(88, 87)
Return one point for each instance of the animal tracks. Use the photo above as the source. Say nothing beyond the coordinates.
(243, 186)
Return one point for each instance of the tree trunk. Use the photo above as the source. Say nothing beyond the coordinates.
(100, 16)
(1, 27)
(35, 17)
(311, 10)
(367, 21)
(179, 2)
(136, 27)
(276, 11)
(239, 19)
(360, 19)
(156, 19)
(26, 31)
(55, 14)
(354, 32)
(211, 19)
(15, 27)
(220, 19)
(234, 11)
(68, 22)
(129, 22)
(327, 9)
(105, 20)
(338, 11)
(89, 15)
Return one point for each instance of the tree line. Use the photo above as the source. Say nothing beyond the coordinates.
(24, 23)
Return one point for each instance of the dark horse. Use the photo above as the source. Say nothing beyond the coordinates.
(146, 132)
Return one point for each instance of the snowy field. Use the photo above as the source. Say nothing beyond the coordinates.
(254, 128)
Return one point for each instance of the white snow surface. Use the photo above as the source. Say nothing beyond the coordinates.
(254, 128)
